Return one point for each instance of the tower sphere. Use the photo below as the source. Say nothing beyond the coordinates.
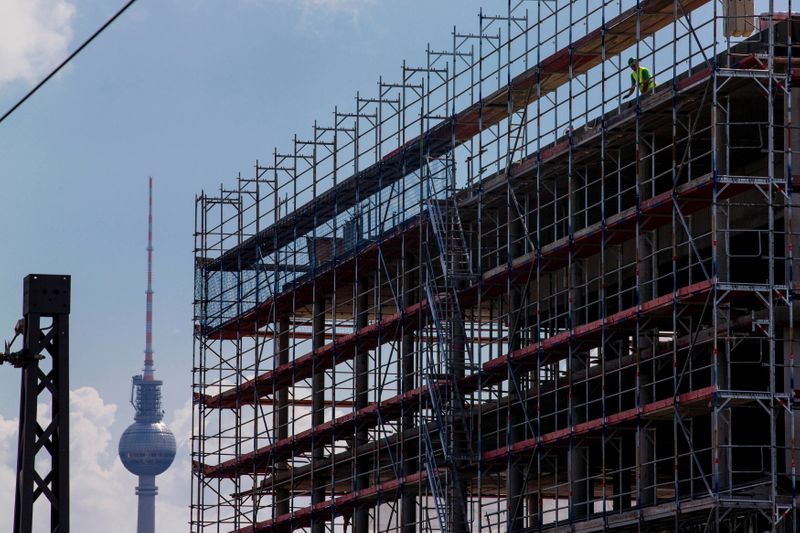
(147, 448)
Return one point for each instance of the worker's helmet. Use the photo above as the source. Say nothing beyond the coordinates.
(631, 61)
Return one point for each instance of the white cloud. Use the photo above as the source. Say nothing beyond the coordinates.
(34, 35)
(316, 8)
(102, 483)
(102, 491)
(353, 7)
(8, 457)
(172, 504)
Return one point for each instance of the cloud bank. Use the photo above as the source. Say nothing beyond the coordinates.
(352, 7)
(34, 37)
(319, 9)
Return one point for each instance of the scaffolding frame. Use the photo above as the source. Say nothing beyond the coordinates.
(500, 296)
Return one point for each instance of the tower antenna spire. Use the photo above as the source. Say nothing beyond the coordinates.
(148, 346)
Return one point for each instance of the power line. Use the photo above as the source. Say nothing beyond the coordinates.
(68, 59)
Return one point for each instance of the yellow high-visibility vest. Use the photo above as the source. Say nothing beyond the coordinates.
(641, 76)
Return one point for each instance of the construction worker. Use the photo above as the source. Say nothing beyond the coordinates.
(640, 76)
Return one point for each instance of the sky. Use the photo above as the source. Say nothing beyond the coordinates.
(191, 92)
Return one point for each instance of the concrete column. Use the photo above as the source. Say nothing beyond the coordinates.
(318, 479)
(146, 491)
(515, 478)
(648, 268)
(647, 291)
(791, 347)
(724, 429)
(281, 412)
(362, 467)
(794, 135)
(723, 272)
(515, 474)
(647, 468)
(621, 480)
(534, 507)
(721, 132)
(408, 504)
(458, 432)
(578, 456)
(791, 334)
(578, 464)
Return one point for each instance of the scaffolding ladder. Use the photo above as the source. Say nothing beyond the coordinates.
(448, 268)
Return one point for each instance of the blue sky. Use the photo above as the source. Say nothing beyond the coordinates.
(191, 92)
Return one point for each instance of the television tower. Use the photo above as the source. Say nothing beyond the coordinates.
(147, 447)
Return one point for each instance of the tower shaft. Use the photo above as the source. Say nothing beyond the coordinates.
(146, 516)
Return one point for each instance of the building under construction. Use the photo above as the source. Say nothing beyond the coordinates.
(498, 295)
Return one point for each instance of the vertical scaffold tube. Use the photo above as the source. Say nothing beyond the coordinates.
(318, 480)
(281, 503)
(362, 466)
(408, 514)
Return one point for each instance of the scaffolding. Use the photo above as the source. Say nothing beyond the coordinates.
(503, 295)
